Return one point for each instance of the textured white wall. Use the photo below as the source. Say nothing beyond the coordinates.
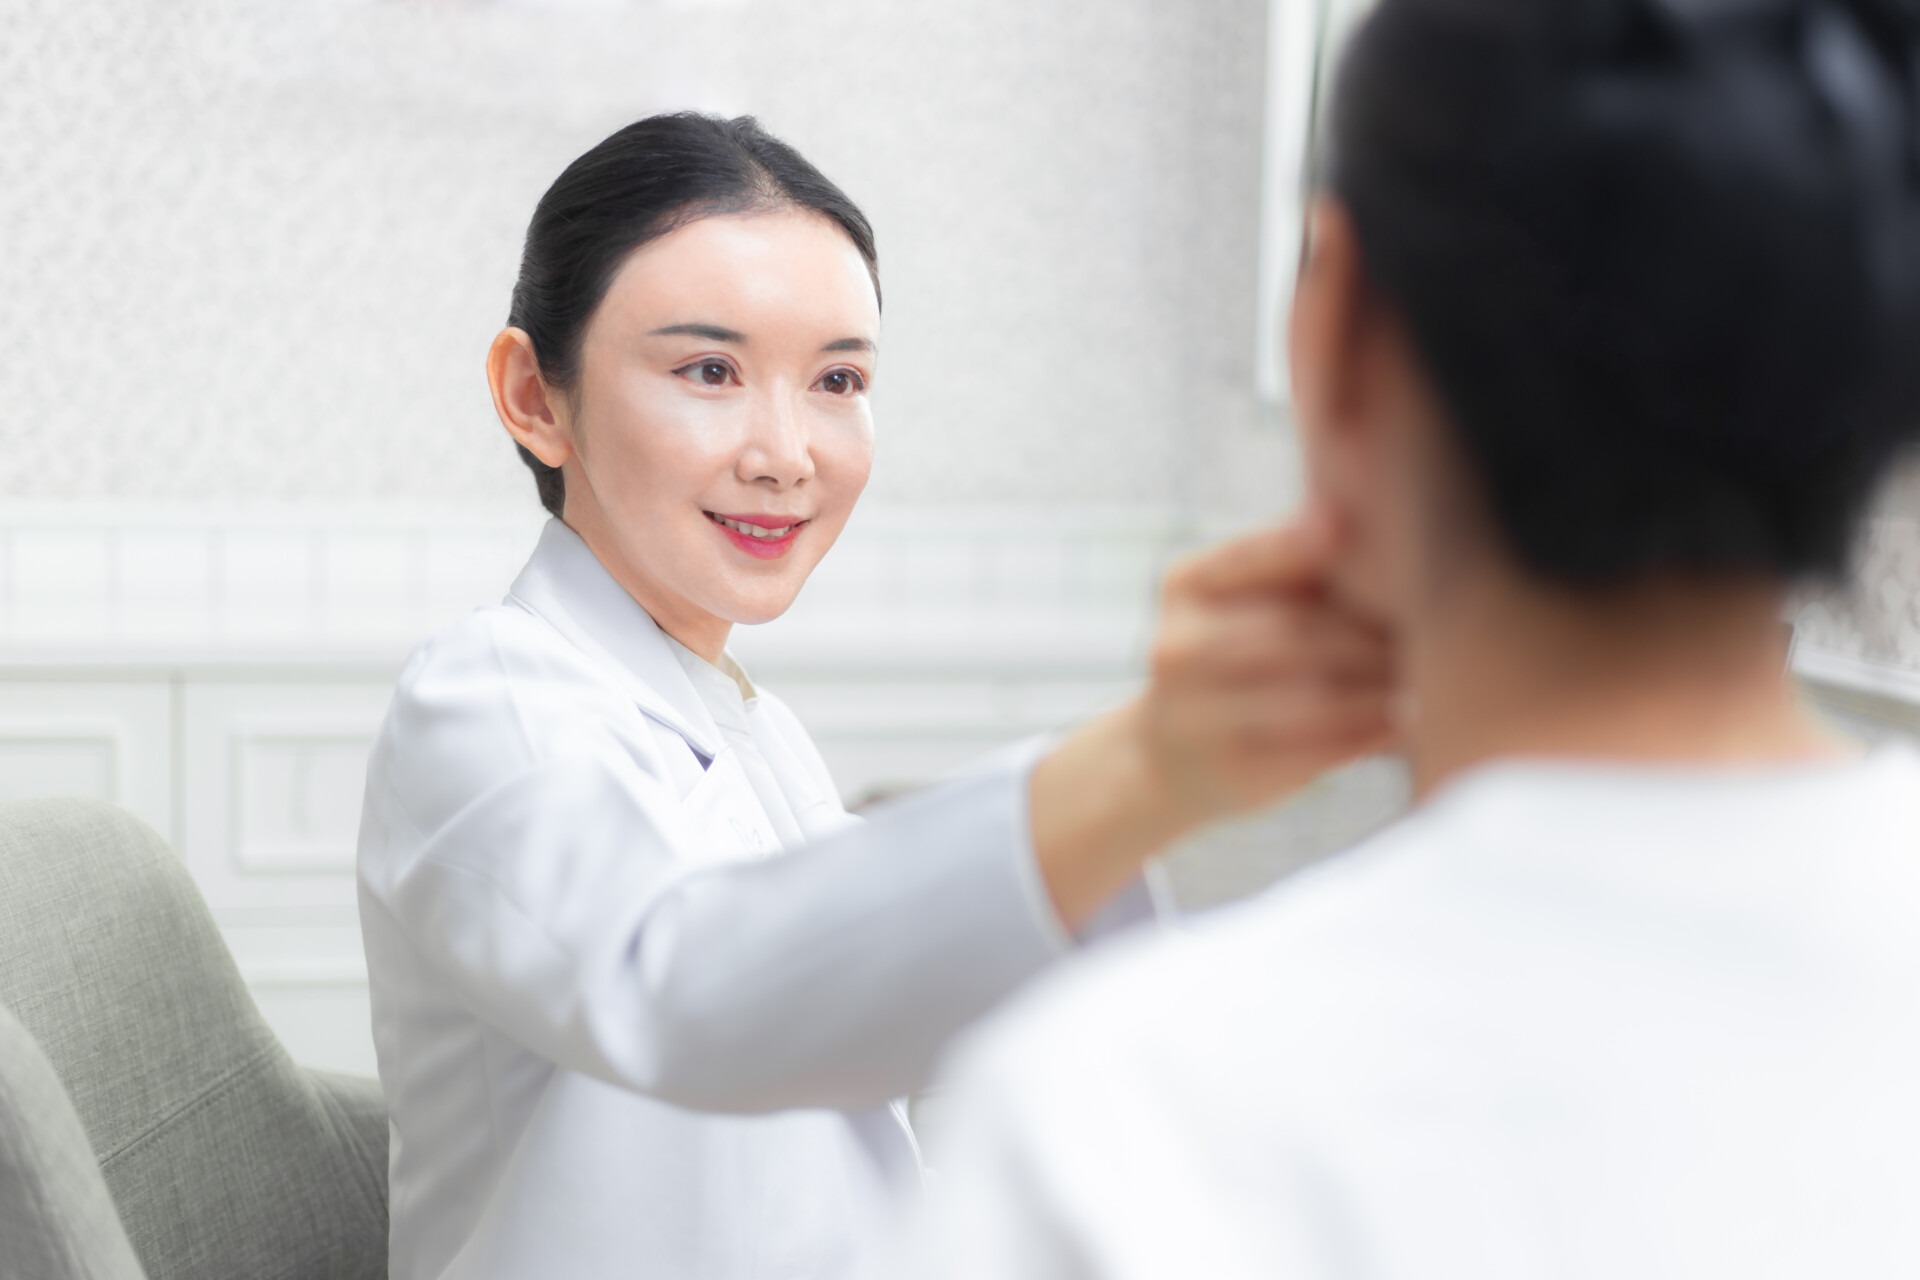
(256, 248)
(253, 250)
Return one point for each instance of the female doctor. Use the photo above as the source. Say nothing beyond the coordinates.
(642, 989)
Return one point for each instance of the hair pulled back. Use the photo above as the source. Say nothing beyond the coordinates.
(1661, 259)
(646, 180)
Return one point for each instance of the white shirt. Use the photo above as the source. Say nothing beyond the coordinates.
(619, 1033)
(1565, 1021)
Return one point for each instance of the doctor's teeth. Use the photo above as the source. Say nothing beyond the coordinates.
(754, 531)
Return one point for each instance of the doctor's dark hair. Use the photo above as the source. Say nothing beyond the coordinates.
(1660, 258)
(644, 181)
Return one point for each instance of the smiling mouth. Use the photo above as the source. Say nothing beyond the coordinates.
(759, 532)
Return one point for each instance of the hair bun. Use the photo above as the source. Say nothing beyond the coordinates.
(1860, 59)
(1798, 122)
(1662, 258)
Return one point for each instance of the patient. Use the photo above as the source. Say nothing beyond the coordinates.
(1607, 330)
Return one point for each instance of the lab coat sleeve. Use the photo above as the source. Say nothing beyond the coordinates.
(542, 866)
(1148, 899)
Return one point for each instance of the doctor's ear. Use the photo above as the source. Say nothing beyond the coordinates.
(529, 409)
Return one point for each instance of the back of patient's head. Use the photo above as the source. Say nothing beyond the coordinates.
(1660, 260)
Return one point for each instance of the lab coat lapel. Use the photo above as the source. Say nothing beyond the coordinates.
(566, 584)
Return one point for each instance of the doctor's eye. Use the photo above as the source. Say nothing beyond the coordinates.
(708, 373)
(842, 382)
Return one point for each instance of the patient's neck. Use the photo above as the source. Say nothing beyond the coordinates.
(1684, 672)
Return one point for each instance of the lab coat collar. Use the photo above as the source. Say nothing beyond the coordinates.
(566, 584)
(723, 688)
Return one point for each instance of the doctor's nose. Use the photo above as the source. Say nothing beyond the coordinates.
(778, 448)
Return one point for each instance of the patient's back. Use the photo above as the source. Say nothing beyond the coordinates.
(1566, 1020)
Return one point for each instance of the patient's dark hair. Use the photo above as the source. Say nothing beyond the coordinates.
(1661, 259)
(648, 179)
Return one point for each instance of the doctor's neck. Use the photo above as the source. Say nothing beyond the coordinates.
(1667, 671)
(700, 630)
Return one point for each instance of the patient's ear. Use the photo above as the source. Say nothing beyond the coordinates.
(528, 408)
(1320, 335)
(1328, 354)
(1358, 397)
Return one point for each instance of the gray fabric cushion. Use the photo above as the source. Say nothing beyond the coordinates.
(224, 1158)
(57, 1221)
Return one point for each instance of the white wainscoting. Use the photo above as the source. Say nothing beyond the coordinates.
(222, 675)
(103, 738)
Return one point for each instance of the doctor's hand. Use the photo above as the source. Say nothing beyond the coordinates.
(1260, 682)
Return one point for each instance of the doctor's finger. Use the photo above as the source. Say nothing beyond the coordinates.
(1306, 714)
(1260, 773)
(1269, 638)
(1222, 722)
(1265, 774)
(1292, 556)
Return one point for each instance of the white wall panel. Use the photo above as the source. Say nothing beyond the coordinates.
(882, 732)
(267, 585)
(297, 788)
(162, 585)
(55, 758)
(98, 739)
(308, 974)
(62, 583)
(272, 775)
(322, 1024)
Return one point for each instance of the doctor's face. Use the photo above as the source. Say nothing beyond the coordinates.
(720, 428)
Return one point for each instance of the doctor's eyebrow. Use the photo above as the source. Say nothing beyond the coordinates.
(733, 337)
(711, 332)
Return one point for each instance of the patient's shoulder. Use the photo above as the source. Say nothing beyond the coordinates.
(1282, 987)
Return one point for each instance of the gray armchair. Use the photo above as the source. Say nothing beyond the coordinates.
(138, 1081)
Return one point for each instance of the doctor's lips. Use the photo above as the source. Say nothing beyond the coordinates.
(764, 537)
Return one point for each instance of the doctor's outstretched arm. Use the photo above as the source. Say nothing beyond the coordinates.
(556, 887)
(1259, 685)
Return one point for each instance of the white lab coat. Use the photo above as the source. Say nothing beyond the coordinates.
(618, 1035)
